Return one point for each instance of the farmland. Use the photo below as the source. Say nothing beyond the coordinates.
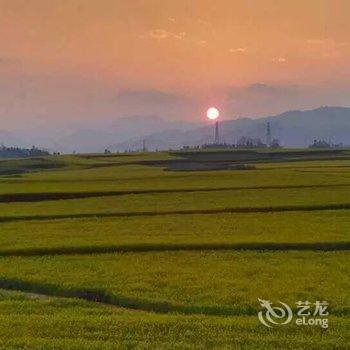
(172, 250)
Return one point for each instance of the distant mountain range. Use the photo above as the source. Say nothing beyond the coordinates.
(123, 129)
(292, 128)
(91, 138)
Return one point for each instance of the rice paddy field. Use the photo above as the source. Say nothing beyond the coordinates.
(173, 250)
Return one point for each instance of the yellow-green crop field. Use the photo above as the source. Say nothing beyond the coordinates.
(167, 251)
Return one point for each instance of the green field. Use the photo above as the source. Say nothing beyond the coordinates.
(132, 251)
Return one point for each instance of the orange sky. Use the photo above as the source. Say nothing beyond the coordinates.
(170, 43)
(185, 46)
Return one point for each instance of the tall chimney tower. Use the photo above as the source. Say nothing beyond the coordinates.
(268, 134)
(217, 140)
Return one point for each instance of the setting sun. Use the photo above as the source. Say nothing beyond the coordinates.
(212, 113)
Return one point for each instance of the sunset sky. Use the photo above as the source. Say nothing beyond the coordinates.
(74, 60)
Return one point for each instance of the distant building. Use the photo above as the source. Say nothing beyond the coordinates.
(217, 146)
(320, 144)
(17, 152)
(275, 143)
(325, 144)
(248, 142)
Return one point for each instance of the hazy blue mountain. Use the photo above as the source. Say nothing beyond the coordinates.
(90, 137)
(292, 128)
(97, 139)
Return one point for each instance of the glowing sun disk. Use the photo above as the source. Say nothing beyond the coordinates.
(212, 113)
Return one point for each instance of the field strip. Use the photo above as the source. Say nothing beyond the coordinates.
(105, 297)
(140, 248)
(46, 196)
(242, 210)
(260, 160)
(305, 167)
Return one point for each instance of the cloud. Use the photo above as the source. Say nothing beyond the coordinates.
(171, 19)
(238, 50)
(202, 42)
(279, 60)
(160, 34)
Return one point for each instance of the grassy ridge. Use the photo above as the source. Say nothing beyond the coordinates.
(243, 200)
(35, 322)
(105, 297)
(242, 210)
(198, 280)
(226, 228)
(46, 196)
(141, 248)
